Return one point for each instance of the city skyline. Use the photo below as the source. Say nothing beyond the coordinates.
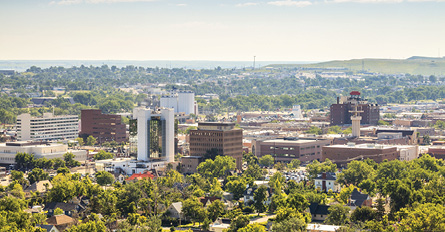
(230, 30)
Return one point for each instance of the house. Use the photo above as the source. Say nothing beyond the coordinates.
(61, 222)
(249, 193)
(140, 176)
(69, 209)
(359, 199)
(318, 212)
(326, 181)
(206, 201)
(220, 225)
(175, 210)
(49, 228)
(40, 186)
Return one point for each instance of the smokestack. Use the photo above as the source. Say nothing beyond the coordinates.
(338, 100)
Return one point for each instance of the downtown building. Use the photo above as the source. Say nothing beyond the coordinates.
(223, 138)
(342, 111)
(103, 127)
(47, 128)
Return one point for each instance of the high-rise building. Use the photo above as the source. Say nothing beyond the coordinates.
(103, 127)
(342, 111)
(47, 128)
(224, 138)
(155, 134)
(181, 102)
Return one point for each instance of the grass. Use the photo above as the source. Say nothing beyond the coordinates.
(421, 66)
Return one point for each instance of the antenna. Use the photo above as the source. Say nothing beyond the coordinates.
(254, 62)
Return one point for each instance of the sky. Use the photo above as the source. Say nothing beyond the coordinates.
(221, 30)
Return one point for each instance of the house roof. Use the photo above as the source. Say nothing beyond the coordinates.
(329, 176)
(48, 228)
(60, 220)
(204, 200)
(177, 206)
(315, 208)
(357, 198)
(39, 186)
(61, 205)
(140, 176)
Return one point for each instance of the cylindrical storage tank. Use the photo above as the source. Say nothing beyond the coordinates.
(169, 101)
(186, 100)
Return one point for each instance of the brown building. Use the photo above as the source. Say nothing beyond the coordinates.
(343, 154)
(223, 137)
(103, 127)
(437, 151)
(340, 112)
(190, 163)
(286, 149)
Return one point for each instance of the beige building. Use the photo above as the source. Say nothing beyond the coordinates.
(47, 128)
(9, 150)
(224, 137)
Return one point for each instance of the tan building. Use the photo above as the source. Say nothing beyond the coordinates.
(224, 137)
(287, 149)
(190, 163)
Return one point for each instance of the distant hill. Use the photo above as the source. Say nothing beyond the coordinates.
(414, 65)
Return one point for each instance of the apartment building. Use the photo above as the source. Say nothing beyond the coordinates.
(47, 128)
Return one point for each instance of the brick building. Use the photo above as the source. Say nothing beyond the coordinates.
(103, 127)
(343, 154)
(286, 149)
(224, 137)
(340, 112)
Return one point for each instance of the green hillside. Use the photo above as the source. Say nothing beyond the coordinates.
(413, 65)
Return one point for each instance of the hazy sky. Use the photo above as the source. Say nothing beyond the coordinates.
(284, 30)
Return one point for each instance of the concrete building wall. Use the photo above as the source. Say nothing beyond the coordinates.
(186, 100)
(47, 128)
(170, 101)
(343, 154)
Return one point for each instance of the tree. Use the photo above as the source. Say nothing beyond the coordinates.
(334, 130)
(24, 160)
(80, 141)
(255, 227)
(250, 158)
(314, 130)
(253, 171)
(236, 187)
(69, 160)
(218, 167)
(58, 163)
(294, 164)
(215, 210)
(267, 161)
(36, 175)
(357, 172)
(91, 141)
(363, 214)
(63, 170)
(58, 211)
(90, 226)
(104, 178)
(316, 167)
(259, 197)
(193, 209)
(297, 201)
(239, 222)
(289, 225)
(423, 217)
(338, 215)
(211, 154)
(383, 123)
(102, 155)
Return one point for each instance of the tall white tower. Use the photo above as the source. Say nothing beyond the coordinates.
(355, 118)
(296, 111)
(156, 134)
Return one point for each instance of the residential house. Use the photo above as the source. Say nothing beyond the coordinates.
(220, 225)
(49, 228)
(321, 228)
(69, 209)
(140, 176)
(359, 199)
(327, 181)
(249, 194)
(318, 212)
(206, 201)
(61, 222)
(175, 210)
(40, 186)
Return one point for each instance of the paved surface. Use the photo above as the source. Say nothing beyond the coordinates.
(262, 219)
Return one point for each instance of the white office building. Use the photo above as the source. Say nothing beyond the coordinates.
(182, 102)
(47, 128)
(8, 151)
(155, 142)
